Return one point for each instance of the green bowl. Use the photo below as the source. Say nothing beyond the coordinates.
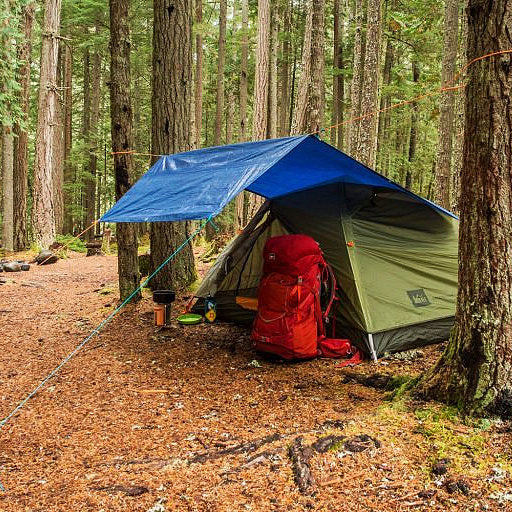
(189, 319)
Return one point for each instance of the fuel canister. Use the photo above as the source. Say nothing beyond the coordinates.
(210, 309)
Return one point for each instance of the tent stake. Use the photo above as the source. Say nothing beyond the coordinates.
(372, 347)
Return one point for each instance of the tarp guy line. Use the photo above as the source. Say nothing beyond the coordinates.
(98, 329)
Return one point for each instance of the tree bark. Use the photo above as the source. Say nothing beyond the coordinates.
(7, 73)
(221, 64)
(68, 137)
(58, 150)
(447, 107)
(272, 103)
(357, 80)
(261, 85)
(43, 210)
(230, 115)
(367, 147)
(86, 128)
(385, 115)
(171, 86)
(459, 126)
(240, 210)
(300, 112)
(20, 169)
(413, 134)
(90, 191)
(317, 86)
(122, 140)
(7, 188)
(338, 85)
(475, 371)
(284, 73)
(244, 70)
(198, 103)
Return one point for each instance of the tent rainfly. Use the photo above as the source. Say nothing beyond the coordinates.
(394, 253)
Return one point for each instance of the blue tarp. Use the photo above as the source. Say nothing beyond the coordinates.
(198, 184)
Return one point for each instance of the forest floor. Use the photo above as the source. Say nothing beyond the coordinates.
(192, 419)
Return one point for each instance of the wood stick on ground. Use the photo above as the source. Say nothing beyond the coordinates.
(238, 449)
(301, 457)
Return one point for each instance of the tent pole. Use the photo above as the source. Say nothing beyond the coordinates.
(372, 347)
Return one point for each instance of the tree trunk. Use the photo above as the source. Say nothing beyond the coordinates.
(58, 151)
(7, 188)
(300, 112)
(7, 73)
(317, 87)
(447, 107)
(122, 140)
(244, 70)
(272, 103)
(68, 134)
(230, 115)
(413, 135)
(367, 148)
(90, 192)
(198, 103)
(221, 64)
(240, 210)
(171, 86)
(338, 86)
(284, 73)
(20, 170)
(357, 80)
(43, 210)
(261, 87)
(385, 115)
(295, 49)
(475, 371)
(459, 126)
(86, 128)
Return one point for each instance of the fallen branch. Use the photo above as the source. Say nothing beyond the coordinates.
(255, 460)
(129, 491)
(235, 450)
(300, 456)
(332, 481)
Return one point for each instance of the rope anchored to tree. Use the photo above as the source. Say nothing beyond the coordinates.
(101, 325)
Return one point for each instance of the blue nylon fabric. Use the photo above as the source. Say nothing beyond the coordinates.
(198, 184)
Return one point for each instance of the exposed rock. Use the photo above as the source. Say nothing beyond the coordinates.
(12, 266)
(45, 257)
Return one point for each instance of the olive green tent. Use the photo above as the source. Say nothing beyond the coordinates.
(393, 254)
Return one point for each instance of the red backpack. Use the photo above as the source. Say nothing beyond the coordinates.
(290, 321)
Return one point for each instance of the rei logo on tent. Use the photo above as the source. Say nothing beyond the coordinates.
(418, 298)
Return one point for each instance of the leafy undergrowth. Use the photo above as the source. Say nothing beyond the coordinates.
(71, 243)
(192, 419)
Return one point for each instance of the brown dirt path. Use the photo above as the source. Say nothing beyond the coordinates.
(120, 426)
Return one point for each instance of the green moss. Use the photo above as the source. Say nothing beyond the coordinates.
(71, 243)
(399, 386)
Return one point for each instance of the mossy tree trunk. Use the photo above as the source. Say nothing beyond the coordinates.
(475, 372)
